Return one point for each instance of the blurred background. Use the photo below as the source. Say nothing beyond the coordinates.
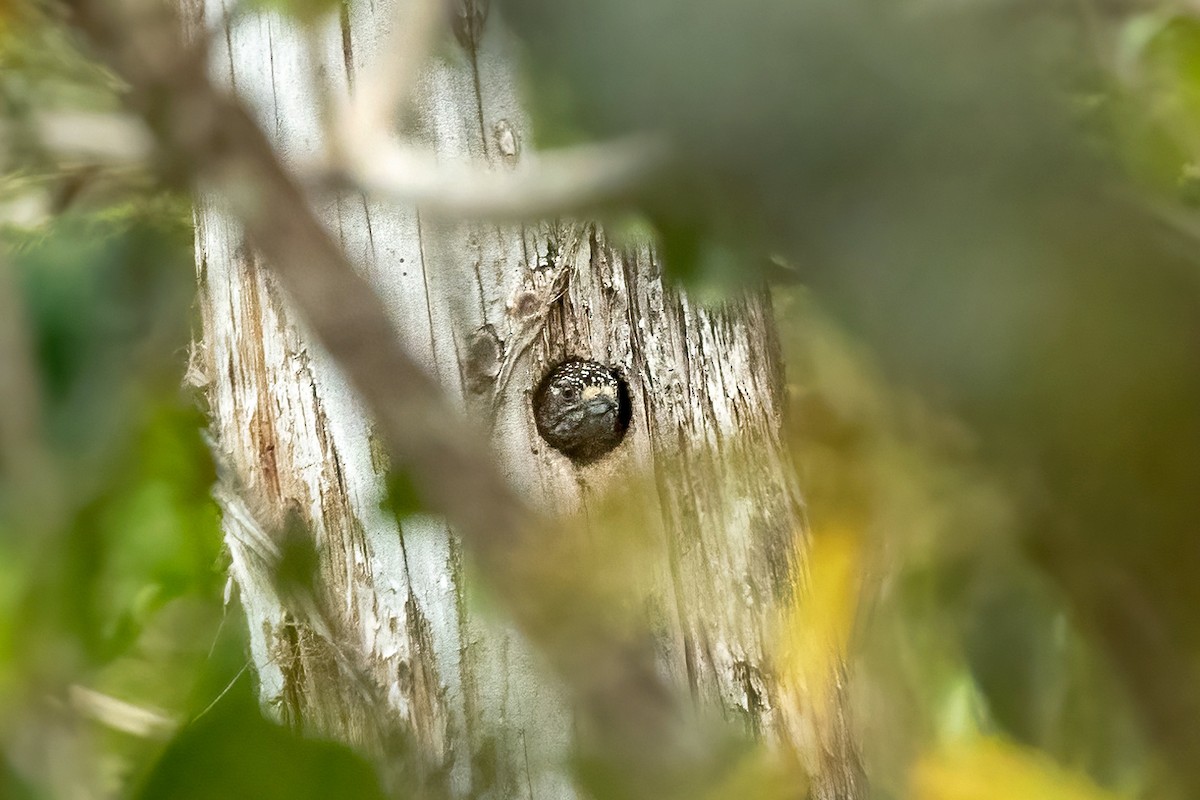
(978, 222)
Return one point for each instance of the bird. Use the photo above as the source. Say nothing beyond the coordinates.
(582, 409)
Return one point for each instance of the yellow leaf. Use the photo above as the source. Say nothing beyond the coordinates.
(990, 769)
(816, 633)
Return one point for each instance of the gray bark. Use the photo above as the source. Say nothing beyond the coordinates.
(395, 645)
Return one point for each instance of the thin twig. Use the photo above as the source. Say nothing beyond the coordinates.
(228, 688)
(536, 323)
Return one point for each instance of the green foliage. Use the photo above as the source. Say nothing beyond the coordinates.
(993, 373)
(107, 297)
(122, 534)
(297, 569)
(107, 302)
(233, 752)
(402, 497)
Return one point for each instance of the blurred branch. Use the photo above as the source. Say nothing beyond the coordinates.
(115, 138)
(213, 140)
(363, 151)
(27, 209)
(548, 183)
(120, 715)
(386, 87)
(1138, 640)
(78, 151)
(27, 467)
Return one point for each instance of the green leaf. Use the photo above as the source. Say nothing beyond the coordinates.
(402, 498)
(232, 752)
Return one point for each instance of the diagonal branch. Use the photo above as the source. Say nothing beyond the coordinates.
(210, 139)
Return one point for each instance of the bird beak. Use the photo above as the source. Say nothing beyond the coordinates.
(600, 398)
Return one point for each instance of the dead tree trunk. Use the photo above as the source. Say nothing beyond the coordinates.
(488, 309)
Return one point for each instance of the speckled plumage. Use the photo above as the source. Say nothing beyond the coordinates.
(581, 409)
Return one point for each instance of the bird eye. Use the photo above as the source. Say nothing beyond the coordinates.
(568, 393)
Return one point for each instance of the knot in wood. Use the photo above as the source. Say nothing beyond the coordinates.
(582, 409)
